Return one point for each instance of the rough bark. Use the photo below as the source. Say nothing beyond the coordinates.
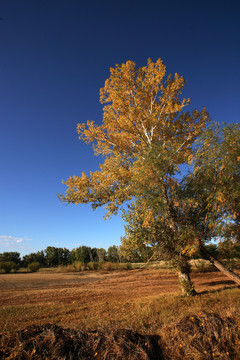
(186, 284)
(230, 274)
(185, 281)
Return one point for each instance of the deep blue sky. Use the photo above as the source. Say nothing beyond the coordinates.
(55, 56)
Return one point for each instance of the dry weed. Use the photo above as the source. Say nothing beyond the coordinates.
(203, 336)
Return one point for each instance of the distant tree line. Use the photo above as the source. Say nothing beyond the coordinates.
(53, 256)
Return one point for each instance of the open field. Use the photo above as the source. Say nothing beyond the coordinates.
(140, 299)
(135, 314)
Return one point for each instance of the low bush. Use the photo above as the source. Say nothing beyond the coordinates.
(92, 265)
(125, 266)
(108, 266)
(101, 264)
(75, 267)
(79, 266)
(8, 266)
(34, 266)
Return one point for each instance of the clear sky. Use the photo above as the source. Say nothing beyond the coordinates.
(55, 55)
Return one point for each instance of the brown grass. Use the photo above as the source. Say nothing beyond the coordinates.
(205, 336)
(146, 302)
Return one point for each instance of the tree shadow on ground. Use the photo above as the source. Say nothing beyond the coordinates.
(218, 290)
(219, 282)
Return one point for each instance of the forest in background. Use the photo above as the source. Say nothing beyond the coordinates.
(85, 255)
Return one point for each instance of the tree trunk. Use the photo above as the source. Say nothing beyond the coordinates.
(230, 274)
(185, 281)
(186, 284)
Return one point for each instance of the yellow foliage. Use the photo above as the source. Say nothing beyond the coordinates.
(142, 110)
(148, 220)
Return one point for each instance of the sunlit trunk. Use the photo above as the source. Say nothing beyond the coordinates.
(186, 284)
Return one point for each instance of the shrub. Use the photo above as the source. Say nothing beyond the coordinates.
(108, 266)
(69, 268)
(79, 266)
(126, 266)
(66, 268)
(8, 266)
(101, 264)
(92, 265)
(75, 267)
(34, 266)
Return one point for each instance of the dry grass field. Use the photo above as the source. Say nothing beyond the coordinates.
(144, 300)
(103, 298)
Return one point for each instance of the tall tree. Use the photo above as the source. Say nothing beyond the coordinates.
(51, 256)
(83, 254)
(102, 254)
(145, 137)
(113, 254)
(63, 256)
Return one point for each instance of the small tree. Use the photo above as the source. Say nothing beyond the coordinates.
(34, 267)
